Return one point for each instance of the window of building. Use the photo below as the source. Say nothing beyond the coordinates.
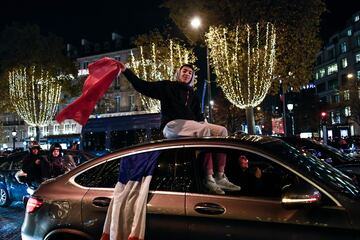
(322, 72)
(347, 111)
(335, 98)
(358, 75)
(316, 75)
(333, 84)
(358, 41)
(349, 32)
(132, 102)
(73, 127)
(335, 117)
(333, 68)
(56, 129)
(31, 131)
(117, 103)
(346, 95)
(343, 47)
(344, 63)
(330, 53)
(45, 130)
(356, 18)
(357, 57)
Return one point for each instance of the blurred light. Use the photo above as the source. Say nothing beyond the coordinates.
(350, 75)
(212, 102)
(290, 106)
(195, 22)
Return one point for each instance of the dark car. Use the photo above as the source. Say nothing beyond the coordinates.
(10, 189)
(350, 166)
(300, 197)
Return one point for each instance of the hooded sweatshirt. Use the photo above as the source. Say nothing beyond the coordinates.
(177, 99)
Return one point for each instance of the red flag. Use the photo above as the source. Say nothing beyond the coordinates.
(101, 75)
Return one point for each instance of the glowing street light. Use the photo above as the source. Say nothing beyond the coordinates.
(195, 22)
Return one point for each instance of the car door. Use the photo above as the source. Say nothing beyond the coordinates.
(166, 200)
(259, 214)
(16, 189)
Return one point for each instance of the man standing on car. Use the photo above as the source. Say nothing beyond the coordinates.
(181, 117)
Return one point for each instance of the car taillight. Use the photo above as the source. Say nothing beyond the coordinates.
(33, 204)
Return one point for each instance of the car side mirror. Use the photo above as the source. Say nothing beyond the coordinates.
(300, 195)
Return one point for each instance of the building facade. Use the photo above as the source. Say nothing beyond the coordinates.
(337, 79)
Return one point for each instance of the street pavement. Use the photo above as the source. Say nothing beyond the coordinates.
(11, 219)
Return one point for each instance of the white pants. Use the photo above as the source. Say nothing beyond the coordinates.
(190, 128)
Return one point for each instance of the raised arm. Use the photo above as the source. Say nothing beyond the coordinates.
(150, 89)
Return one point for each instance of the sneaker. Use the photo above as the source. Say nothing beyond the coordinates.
(225, 184)
(211, 185)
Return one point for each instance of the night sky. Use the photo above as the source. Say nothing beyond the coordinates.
(95, 20)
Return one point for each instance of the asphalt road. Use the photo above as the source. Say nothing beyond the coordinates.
(11, 219)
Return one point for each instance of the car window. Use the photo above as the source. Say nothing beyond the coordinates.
(256, 175)
(174, 171)
(102, 175)
(171, 174)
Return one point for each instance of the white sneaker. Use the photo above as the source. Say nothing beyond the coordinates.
(225, 184)
(211, 185)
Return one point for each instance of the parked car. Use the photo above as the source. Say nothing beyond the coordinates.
(337, 158)
(10, 189)
(301, 197)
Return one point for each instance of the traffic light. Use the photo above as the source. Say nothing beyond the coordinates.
(323, 117)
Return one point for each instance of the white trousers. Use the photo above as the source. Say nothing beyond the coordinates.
(189, 128)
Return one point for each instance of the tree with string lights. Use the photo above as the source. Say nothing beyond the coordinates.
(243, 58)
(35, 94)
(297, 42)
(156, 59)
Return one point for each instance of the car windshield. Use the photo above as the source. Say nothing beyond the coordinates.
(319, 170)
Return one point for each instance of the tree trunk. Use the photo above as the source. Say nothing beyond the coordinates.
(37, 138)
(250, 120)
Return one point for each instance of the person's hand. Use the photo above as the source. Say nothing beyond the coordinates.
(258, 172)
(37, 161)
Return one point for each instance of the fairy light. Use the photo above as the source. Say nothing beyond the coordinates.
(35, 93)
(157, 62)
(243, 59)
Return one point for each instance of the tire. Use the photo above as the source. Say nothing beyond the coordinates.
(4, 197)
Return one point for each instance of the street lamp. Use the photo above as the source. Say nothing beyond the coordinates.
(196, 24)
(290, 107)
(13, 133)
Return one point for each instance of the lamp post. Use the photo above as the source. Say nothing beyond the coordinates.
(196, 24)
(13, 133)
(290, 107)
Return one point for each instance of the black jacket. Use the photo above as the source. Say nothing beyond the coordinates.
(37, 172)
(178, 100)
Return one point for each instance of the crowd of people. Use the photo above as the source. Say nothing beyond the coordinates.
(36, 168)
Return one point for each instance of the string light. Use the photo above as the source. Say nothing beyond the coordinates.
(243, 59)
(156, 62)
(35, 94)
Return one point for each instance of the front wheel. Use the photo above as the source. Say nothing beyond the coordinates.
(4, 197)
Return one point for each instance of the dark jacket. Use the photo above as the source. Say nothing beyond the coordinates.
(35, 172)
(59, 165)
(178, 100)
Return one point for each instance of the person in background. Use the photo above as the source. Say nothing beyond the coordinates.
(181, 116)
(249, 179)
(58, 164)
(35, 168)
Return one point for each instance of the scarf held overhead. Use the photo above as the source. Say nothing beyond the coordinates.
(101, 75)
